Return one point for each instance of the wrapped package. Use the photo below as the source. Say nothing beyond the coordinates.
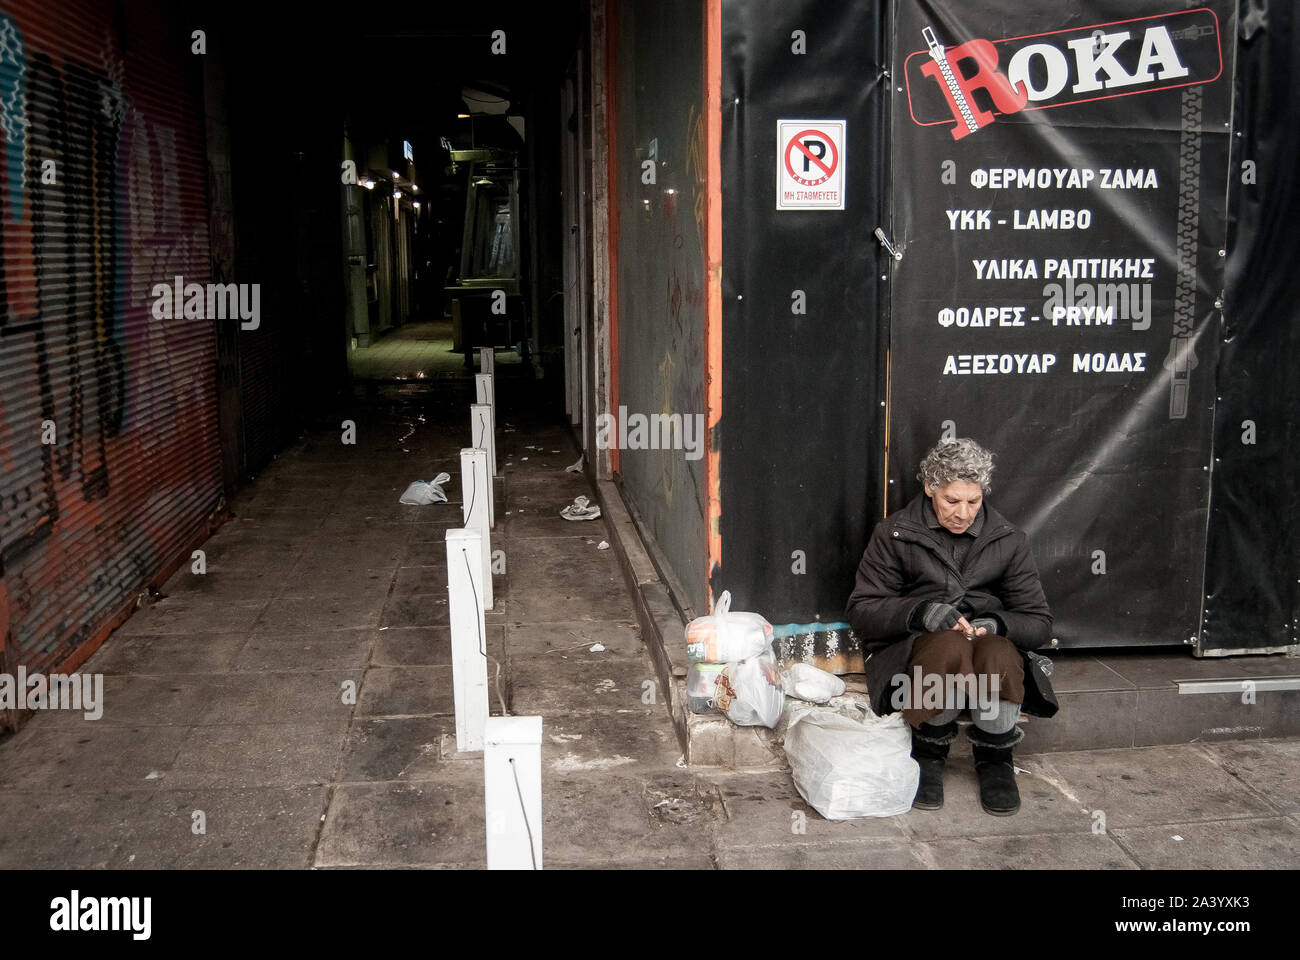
(749, 692)
(803, 681)
(724, 636)
(847, 767)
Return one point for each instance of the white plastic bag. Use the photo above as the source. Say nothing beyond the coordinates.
(803, 681)
(749, 692)
(847, 768)
(724, 636)
(420, 493)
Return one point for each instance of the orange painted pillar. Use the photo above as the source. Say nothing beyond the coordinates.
(713, 277)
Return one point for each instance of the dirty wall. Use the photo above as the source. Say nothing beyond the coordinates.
(108, 420)
(658, 171)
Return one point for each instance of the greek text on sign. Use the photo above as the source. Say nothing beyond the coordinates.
(810, 164)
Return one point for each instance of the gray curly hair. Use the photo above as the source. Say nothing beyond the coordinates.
(953, 460)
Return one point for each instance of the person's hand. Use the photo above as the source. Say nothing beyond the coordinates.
(971, 632)
(985, 625)
(941, 616)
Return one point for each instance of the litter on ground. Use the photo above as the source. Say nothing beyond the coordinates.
(420, 493)
(580, 509)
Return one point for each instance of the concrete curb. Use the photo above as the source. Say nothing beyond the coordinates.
(705, 740)
(655, 611)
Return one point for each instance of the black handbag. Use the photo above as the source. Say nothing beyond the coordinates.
(1040, 698)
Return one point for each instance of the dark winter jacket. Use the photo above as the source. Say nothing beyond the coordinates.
(907, 564)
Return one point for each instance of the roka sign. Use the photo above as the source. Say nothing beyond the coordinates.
(969, 85)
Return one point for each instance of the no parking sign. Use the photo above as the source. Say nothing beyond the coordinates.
(810, 164)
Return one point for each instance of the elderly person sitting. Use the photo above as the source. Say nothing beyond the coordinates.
(949, 586)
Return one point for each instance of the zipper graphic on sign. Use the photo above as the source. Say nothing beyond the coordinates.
(1182, 360)
(945, 68)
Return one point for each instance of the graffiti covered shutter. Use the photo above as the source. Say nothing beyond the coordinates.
(108, 416)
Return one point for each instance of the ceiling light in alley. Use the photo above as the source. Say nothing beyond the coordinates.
(368, 183)
(480, 101)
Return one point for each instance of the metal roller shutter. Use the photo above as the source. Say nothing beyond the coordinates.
(103, 196)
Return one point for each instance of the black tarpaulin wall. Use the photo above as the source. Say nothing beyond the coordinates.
(1110, 472)
(1254, 545)
(1085, 153)
(801, 392)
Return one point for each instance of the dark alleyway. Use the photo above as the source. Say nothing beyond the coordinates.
(225, 697)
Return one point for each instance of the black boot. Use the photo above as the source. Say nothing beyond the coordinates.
(999, 795)
(930, 750)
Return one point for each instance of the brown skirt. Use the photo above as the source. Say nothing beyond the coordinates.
(948, 654)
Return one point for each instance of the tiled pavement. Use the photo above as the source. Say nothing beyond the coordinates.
(416, 351)
(225, 707)
(228, 696)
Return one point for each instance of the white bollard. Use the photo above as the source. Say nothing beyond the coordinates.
(489, 389)
(474, 486)
(512, 792)
(487, 359)
(468, 637)
(485, 392)
(483, 436)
